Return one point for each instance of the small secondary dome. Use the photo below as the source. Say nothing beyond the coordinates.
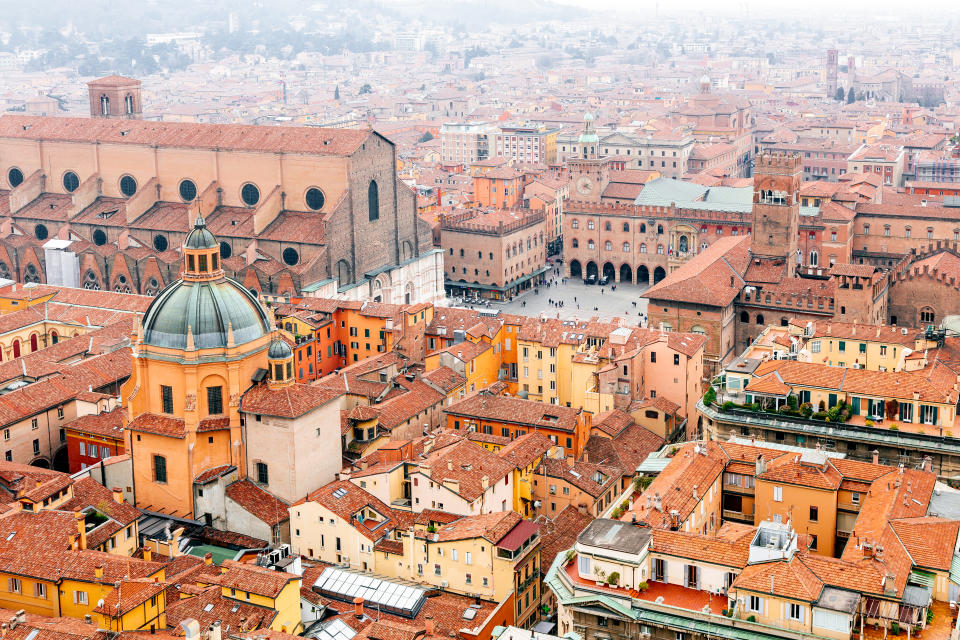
(279, 350)
(200, 237)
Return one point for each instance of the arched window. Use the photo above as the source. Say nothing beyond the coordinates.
(373, 201)
(660, 249)
(575, 243)
(659, 229)
(643, 228)
(590, 244)
(683, 244)
(703, 245)
(814, 258)
(34, 343)
(54, 337)
(606, 226)
(104, 106)
(574, 224)
(608, 246)
(784, 322)
(927, 315)
(626, 226)
(698, 330)
(759, 318)
(590, 224)
(643, 247)
(907, 231)
(128, 104)
(626, 247)
(16, 348)
(744, 317)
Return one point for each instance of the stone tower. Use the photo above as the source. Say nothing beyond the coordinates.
(115, 97)
(776, 211)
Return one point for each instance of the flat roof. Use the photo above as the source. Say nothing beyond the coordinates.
(615, 535)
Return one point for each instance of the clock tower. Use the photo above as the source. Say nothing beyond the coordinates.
(589, 174)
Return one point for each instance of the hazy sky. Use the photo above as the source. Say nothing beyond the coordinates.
(826, 7)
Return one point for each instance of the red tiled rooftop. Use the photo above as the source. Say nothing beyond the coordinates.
(673, 595)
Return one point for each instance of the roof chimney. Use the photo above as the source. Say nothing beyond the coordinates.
(208, 558)
(358, 607)
(927, 464)
(657, 502)
(695, 497)
(117, 495)
(429, 626)
(214, 631)
(191, 629)
(876, 456)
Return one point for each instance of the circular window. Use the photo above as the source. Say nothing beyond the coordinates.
(71, 181)
(128, 186)
(290, 256)
(188, 190)
(41, 232)
(99, 237)
(160, 242)
(254, 293)
(122, 279)
(15, 177)
(250, 194)
(315, 198)
(153, 282)
(225, 250)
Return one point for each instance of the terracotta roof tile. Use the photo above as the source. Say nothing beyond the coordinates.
(260, 503)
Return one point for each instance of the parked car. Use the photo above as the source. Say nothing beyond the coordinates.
(590, 280)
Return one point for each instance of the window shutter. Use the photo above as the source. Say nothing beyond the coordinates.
(74, 597)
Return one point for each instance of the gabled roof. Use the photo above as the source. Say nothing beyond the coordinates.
(712, 278)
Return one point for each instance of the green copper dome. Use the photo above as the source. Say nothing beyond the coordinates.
(208, 308)
(200, 237)
(279, 350)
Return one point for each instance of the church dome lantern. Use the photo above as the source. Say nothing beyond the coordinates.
(203, 309)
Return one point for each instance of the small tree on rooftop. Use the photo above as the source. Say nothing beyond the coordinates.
(839, 95)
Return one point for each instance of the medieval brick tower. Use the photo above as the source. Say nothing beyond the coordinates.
(776, 211)
(115, 97)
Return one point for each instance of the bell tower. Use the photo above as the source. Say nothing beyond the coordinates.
(115, 97)
(776, 209)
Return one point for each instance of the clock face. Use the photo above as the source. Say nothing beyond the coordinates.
(584, 185)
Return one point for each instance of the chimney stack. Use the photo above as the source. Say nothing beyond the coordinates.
(876, 456)
(429, 626)
(208, 558)
(214, 631)
(657, 502)
(358, 607)
(695, 496)
(191, 629)
(117, 495)
(927, 464)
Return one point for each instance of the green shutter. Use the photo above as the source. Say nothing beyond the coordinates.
(831, 400)
(856, 406)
